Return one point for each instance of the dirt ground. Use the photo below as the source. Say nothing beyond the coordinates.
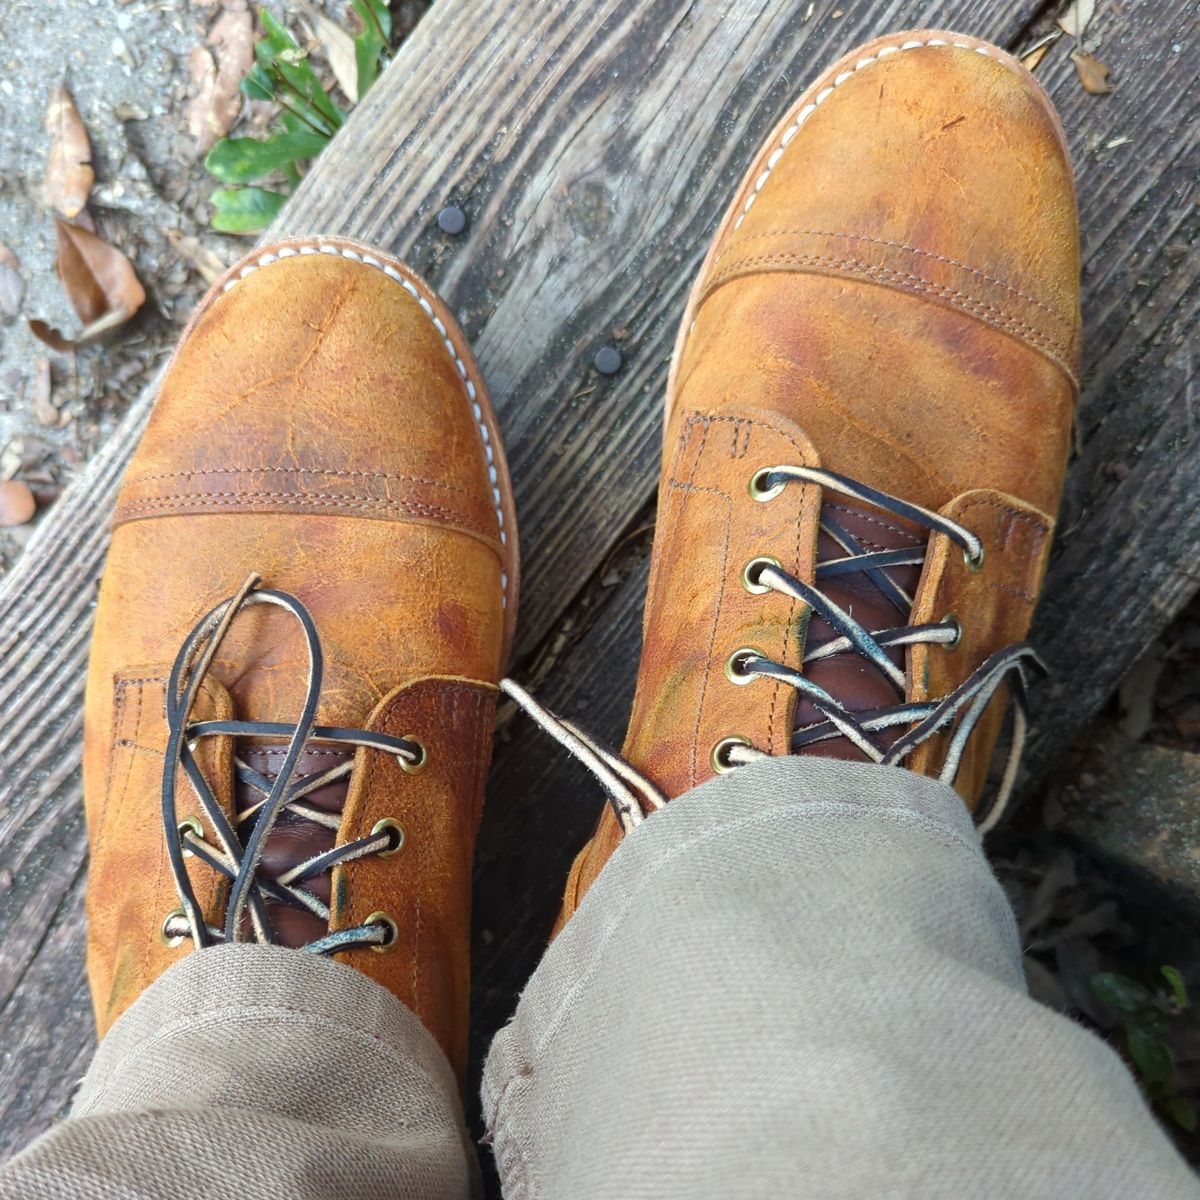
(127, 63)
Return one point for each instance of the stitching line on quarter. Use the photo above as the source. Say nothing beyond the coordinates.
(411, 288)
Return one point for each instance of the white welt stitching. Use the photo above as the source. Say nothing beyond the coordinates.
(426, 307)
(824, 94)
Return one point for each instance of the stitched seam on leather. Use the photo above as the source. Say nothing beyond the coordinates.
(411, 288)
(862, 515)
(904, 281)
(716, 618)
(329, 471)
(942, 258)
(826, 92)
(301, 500)
(751, 423)
(1038, 527)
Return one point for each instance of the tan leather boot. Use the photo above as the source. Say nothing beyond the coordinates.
(307, 605)
(868, 420)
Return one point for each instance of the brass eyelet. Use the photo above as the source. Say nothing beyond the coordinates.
(751, 570)
(171, 940)
(392, 826)
(720, 752)
(192, 823)
(974, 562)
(951, 619)
(735, 663)
(382, 918)
(422, 760)
(759, 489)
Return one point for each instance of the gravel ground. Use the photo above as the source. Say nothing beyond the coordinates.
(126, 64)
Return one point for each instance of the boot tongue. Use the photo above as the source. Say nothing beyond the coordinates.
(295, 838)
(853, 681)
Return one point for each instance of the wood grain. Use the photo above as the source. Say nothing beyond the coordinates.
(593, 148)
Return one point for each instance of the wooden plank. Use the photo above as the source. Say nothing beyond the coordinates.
(590, 201)
(1127, 553)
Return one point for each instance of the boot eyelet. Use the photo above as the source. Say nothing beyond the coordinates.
(752, 570)
(422, 759)
(974, 562)
(735, 665)
(952, 620)
(171, 940)
(392, 826)
(191, 824)
(393, 932)
(760, 489)
(720, 753)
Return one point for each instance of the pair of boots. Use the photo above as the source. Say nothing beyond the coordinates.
(312, 588)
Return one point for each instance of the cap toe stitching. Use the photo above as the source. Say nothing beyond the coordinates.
(438, 324)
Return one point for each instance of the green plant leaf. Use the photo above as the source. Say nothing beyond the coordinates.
(276, 38)
(1182, 1111)
(258, 84)
(296, 85)
(1153, 1058)
(1179, 992)
(372, 42)
(1120, 992)
(242, 160)
(377, 16)
(366, 61)
(244, 210)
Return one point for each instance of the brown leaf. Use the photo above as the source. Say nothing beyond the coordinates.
(339, 49)
(12, 286)
(216, 78)
(99, 279)
(43, 408)
(211, 268)
(69, 174)
(51, 337)
(1075, 20)
(17, 504)
(1093, 74)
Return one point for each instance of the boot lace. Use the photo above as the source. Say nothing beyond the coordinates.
(633, 797)
(246, 915)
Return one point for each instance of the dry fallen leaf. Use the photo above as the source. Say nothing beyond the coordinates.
(69, 174)
(49, 336)
(210, 267)
(1034, 54)
(17, 504)
(1093, 74)
(99, 279)
(339, 50)
(12, 286)
(216, 78)
(1075, 20)
(43, 408)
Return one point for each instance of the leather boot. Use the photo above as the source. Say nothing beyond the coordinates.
(867, 428)
(306, 609)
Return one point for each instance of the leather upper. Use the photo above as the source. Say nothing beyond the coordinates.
(893, 296)
(322, 425)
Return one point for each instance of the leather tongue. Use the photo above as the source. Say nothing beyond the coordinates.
(857, 684)
(295, 837)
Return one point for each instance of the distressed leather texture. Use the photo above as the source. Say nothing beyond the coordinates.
(314, 428)
(893, 296)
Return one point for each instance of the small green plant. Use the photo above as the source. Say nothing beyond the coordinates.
(1145, 1017)
(308, 116)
